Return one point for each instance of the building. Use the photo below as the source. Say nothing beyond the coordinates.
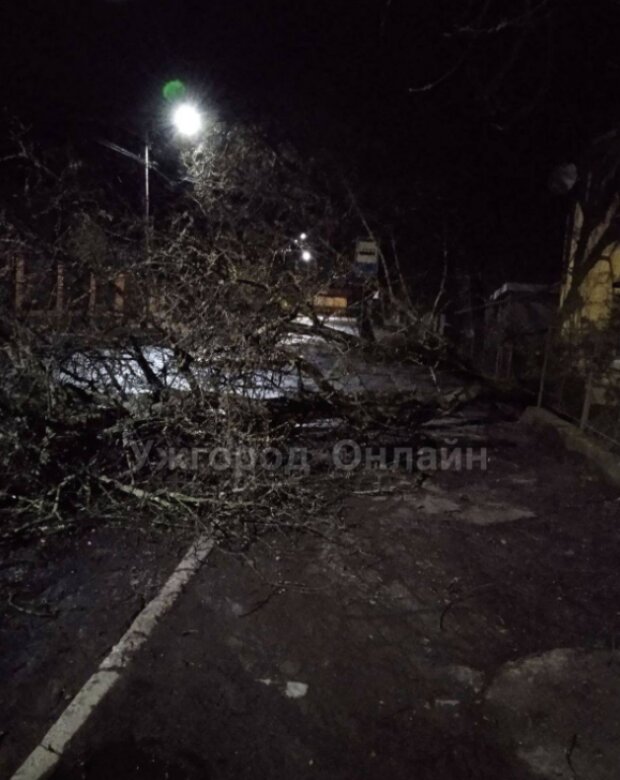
(584, 353)
(591, 274)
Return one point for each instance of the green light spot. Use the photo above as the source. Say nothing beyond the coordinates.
(174, 90)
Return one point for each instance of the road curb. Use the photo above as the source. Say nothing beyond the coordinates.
(576, 440)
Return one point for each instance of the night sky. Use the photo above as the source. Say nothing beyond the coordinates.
(516, 88)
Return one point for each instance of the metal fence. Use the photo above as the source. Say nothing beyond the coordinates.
(505, 338)
(580, 377)
(571, 368)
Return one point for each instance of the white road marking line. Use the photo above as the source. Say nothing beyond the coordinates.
(46, 755)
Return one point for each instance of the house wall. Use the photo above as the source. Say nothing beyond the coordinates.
(596, 290)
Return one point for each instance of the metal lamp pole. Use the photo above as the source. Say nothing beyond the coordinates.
(147, 195)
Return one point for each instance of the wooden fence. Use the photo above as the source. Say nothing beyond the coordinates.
(34, 288)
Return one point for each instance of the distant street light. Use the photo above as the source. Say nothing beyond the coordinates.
(306, 256)
(187, 119)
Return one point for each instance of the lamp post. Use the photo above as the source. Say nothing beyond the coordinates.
(147, 194)
(187, 120)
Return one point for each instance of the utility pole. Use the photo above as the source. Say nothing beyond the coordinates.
(147, 197)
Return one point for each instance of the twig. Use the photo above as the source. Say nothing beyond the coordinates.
(28, 610)
(263, 602)
(459, 600)
(569, 754)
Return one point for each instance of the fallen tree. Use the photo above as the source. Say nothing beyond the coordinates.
(173, 377)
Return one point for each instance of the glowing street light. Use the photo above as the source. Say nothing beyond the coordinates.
(187, 119)
(306, 256)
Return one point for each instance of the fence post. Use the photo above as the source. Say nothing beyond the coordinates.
(120, 286)
(509, 362)
(92, 296)
(20, 283)
(543, 373)
(587, 403)
(60, 288)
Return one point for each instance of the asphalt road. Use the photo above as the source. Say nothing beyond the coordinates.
(399, 646)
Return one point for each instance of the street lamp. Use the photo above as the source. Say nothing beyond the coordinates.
(187, 119)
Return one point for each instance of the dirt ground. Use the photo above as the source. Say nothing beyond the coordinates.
(465, 627)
